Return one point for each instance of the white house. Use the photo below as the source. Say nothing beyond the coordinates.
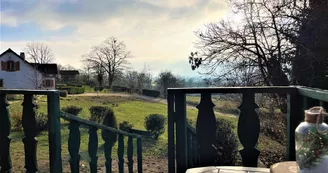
(17, 73)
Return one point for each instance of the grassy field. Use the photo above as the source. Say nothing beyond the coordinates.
(221, 105)
(89, 89)
(129, 109)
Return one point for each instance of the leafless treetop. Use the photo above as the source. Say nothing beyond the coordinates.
(39, 53)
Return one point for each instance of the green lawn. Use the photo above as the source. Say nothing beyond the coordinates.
(128, 109)
(221, 105)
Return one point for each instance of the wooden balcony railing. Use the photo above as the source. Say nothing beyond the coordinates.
(29, 122)
(188, 148)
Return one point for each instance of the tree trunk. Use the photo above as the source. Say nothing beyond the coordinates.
(110, 80)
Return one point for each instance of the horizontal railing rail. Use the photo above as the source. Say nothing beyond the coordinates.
(179, 133)
(74, 145)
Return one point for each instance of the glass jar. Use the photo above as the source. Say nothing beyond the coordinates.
(311, 139)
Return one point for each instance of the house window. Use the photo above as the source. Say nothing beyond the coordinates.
(10, 66)
(48, 83)
(1, 83)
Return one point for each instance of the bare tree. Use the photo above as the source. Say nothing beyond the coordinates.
(39, 53)
(65, 67)
(87, 71)
(112, 55)
(262, 40)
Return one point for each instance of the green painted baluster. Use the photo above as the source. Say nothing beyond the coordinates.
(206, 130)
(5, 125)
(108, 154)
(92, 148)
(189, 144)
(74, 142)
(130, 154)
(120, 153)
(249, 130)
(139, 154)
(30, 132)
(295, 115)
(181, 132)
(305, 103)
(171, 132)
(195, 154)
(54, 136)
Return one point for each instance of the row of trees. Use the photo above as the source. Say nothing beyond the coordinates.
(107, 64)
(275, 43)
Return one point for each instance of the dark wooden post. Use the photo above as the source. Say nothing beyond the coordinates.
(130, 154)
(108, 154)
(295, 116)
(30, 140)
(139, 154)
(120, 153)
(74, 141)
(249, 130)
(92, 149)
(181, 139)
(5, 126)
(54, 136)
(206, 130)
(170, 131)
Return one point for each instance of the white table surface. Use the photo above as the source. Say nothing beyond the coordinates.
(228, 169)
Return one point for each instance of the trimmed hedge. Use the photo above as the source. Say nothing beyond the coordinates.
(74, 110)
(72, 90)
(120, 89)
(151, 93)
(60, 85)
(63, 93)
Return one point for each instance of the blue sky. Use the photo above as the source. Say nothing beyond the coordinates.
(159, 33)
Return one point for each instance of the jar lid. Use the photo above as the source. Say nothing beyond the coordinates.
(315, 114)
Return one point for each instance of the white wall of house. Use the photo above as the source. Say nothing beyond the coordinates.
(26, 78)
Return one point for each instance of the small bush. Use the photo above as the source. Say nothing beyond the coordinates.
(63, 93)
(155, 123)
(226, 143)
(75, 85)
(273, 124)
(101, 88)
(42, 122)
(151, 93)
(16, 122)
(109, 120)
(125, 126)
(74, 110)
(98, 113)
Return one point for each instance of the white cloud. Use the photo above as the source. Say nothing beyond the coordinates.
(173, 3)
(7, 19)
(158, 39)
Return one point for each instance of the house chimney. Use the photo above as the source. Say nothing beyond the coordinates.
(22, 54)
